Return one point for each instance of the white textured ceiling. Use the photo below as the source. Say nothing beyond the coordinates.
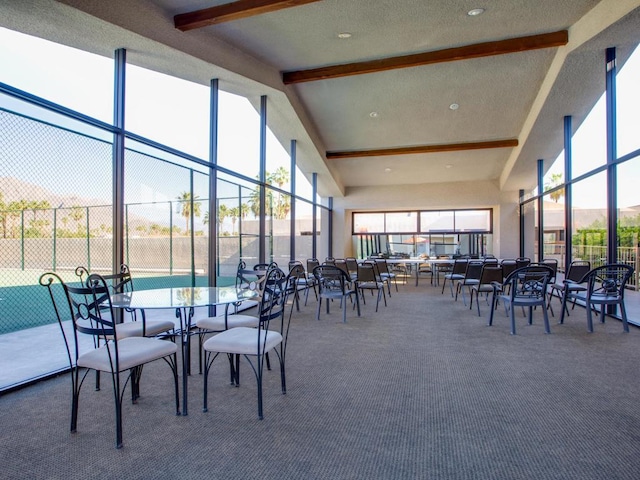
(520, 96)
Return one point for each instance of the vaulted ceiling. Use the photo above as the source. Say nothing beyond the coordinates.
(380, 92)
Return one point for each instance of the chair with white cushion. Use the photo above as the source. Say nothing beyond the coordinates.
(253, 343)
(89, 310)
(246, 279)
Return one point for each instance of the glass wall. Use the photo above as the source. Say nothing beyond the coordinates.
(589, 143)
(55, 212)
(303, 231)
(57, 180)
(238, 134)
(48, 70)
(589, 213)
(628, 105)
(554, 232)
(278, 225)
(629, 216)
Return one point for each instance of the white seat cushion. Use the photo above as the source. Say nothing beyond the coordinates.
(152, 327)
(217, 324)
(242, 340)
(132, 351)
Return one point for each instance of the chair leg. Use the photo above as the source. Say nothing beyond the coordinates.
(318, 308)
(625, 324)
(589, 319)
(492, 309)
(344, 309)
(547, 328)
(564, 307)
(513, 319)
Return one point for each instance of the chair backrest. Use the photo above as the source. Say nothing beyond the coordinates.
(474, 270)
(577, 270)
(352, 264)
(329, 261)
(331, 279)
(487, 259)
(265, 266)
(508, 266)
(608, 281)
(491, 272)
(296, 272)
(522, 261)
(366, 273)
(244, 276)
(376, 269)
(529, 282)
(382, 265)
(341, 263)
(274, 294)
(311, 264)
(553, 263)
(119, 282)
(460, 266)
(88, 306)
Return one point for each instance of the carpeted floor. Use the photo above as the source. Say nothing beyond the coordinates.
(423, 389)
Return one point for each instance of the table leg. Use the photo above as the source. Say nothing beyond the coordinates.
(185, 317)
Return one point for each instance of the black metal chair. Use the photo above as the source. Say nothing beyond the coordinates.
(605, 286)
(302, 282)
(246, 279)
(491, 272)
(457, 273)
(257, 342)
(334, 284)
(90, 312)
(471, 277)
(525, 287)
(352, 266)
(577, 270)
(387, 275)
(367, 280)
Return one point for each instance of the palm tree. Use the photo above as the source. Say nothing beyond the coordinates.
(185, 210)
(234, 213)
(554, 181)
(223, 212)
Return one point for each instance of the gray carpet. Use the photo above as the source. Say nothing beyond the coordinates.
(423, 389)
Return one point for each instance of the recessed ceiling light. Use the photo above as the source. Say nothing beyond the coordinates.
(448, 166)
(344, 35)
(454, 106)
(373, 114)
(387, 169)
(475, 12)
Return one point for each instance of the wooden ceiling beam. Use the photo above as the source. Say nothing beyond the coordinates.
(232, 11)
(499, 47)
(450, 147)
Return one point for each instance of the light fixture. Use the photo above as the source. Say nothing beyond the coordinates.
(474, 12)
(344, 35)
(373, 114)
(387, 169)
(448, 166)
(454, 106)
